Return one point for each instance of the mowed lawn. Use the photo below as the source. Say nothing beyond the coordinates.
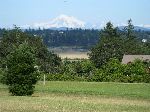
(58, 96)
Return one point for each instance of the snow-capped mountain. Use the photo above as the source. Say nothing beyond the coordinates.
(58, 22)
(67, 21)
(63, 22)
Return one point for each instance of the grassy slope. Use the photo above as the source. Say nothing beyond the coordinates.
(109, 89)
(80, 96)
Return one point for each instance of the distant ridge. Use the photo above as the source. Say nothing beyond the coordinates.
(136, 28)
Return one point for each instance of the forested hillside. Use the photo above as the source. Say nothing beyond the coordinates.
(74, 37)
(71, 37)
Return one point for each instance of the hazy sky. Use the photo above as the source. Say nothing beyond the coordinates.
(21, 12)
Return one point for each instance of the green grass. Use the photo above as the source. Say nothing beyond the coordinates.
(58, 96)
(137, 90)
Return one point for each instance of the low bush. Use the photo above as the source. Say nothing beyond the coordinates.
(113, 71)
(137, 72)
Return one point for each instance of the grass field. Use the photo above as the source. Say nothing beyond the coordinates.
(71, 52)
(74, 55)
(79, 97)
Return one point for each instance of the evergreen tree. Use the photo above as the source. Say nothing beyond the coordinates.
(109, 46)
(132, 45)
(21, 74)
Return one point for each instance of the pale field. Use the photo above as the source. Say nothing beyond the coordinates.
(73, 55)
(42, 102)
(70, 52)
(58, 96)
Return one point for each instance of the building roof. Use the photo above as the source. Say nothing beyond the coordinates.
(130, 58)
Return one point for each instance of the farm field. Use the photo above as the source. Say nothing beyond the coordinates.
(70, 52)
(73, 55)
(62, 96)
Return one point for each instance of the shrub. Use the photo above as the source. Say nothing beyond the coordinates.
(21, 74)
(113, 70)
(98, 75)
(136, 71)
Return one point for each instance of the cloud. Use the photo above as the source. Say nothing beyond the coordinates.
(144, 25)
(147, 26)
(73, 22)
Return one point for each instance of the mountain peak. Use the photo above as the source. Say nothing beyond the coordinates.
(67, 21)
(60, 21)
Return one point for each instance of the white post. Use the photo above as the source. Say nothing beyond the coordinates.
(6, 67)
(44, 80)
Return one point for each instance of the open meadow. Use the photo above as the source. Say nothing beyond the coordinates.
(62, 96)
(70, 52)
(73, 55)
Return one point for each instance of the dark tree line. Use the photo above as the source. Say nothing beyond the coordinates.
(69, 37)
(74, 37)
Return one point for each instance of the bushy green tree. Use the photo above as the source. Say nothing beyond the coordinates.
(137, 72)
(109, 46)
(21, 75)
(46, 60)
(74, 70)
(111, 71)
(114, 71)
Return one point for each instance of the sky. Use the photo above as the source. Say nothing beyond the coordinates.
(95, 12)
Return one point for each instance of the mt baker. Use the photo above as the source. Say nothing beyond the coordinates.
(58, 22)
(64, 21)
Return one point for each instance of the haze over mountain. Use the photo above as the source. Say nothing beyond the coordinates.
(64, 21)
(143, 28)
